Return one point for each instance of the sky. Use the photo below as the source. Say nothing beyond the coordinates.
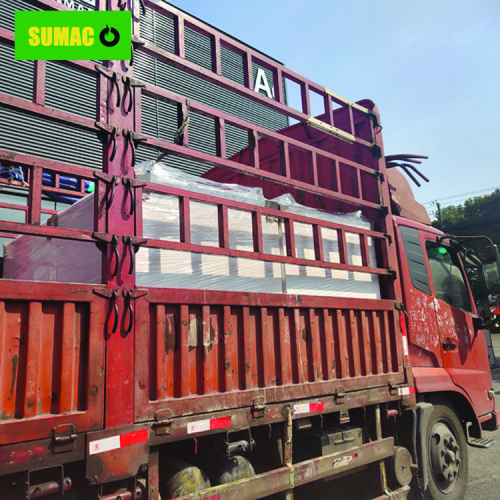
(432, 68)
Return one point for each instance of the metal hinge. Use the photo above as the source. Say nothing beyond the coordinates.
(393, 388)
(258, 407)
(163, 422)
(344, 417)
(376, 151)
(339, 394)
(383, 209)
(392, 272)
(63, 438)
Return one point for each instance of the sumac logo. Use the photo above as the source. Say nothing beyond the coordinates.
(73, 35)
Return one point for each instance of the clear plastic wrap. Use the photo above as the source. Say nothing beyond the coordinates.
(38, 258)
(310, 280)
(52, 259)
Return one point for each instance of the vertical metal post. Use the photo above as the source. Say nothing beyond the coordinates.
(119, 345)
(383, 472)
(288, 451)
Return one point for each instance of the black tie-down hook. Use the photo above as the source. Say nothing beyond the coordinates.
(115, 82)
(112, 296)
(130, 186)
(108, 132)
(129, 296)
(128, 85)
(111, 182)
(132, 244)
(132, 139)
(103, 240)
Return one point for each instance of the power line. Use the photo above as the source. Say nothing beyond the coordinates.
(463, 196)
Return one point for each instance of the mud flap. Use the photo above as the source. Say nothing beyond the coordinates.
(424, 411)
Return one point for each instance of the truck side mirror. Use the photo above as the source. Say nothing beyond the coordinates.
(478, 324)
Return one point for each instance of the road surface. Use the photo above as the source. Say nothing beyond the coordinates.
(484, 465)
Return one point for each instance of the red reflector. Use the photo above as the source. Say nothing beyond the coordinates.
(316, 407)
(402, 321)
(133, 437)
(219, 423)
(496, 310)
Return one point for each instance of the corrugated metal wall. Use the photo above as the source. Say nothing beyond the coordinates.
(66, 89)
(160, 119)
(73, 91)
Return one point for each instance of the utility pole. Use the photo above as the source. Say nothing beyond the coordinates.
(440, 218)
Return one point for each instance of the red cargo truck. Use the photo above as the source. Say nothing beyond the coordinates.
(278, 326)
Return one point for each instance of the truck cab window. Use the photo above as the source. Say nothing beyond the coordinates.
(416, 259)
(449, 283)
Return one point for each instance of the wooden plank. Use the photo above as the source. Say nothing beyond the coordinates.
(171, 345)
(228, 349)
(330, 368)
(286, 343)
(210, 379)
(247, 348)
(316, 345)
(299, 343)
(33, 359)
(267, 373)
(379, 365)
(68, 395)
(342, 342)
(367, 344)
(161, 355)
(184, 371)
(354, 336)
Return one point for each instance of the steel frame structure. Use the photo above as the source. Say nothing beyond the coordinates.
(119, 386)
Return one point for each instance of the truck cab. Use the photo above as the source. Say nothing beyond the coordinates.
(446, 344)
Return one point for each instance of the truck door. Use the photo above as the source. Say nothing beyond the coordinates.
(464, 350)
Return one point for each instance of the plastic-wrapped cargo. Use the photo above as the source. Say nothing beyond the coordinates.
(44, 259)
(39, 258)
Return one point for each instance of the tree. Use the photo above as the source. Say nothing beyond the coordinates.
(477, 216)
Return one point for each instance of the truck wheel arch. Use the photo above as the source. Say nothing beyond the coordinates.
(434, 385)
(460, 404)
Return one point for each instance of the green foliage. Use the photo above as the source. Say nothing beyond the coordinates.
(477, 216)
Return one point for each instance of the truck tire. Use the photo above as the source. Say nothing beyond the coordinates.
(447, 463)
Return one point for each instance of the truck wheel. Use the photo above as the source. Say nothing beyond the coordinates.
(447, 465)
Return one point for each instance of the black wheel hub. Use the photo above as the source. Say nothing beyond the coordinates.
(445, 456)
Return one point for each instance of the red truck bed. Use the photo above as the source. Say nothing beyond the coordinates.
(78, 358)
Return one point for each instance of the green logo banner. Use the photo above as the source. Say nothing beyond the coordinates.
(79, 36)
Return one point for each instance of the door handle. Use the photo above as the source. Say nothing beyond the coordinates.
(449, 346)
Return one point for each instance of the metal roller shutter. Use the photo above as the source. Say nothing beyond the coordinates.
(159, 29)
(66, 89)
(70, 90)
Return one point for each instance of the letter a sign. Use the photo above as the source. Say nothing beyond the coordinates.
(261, 83)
